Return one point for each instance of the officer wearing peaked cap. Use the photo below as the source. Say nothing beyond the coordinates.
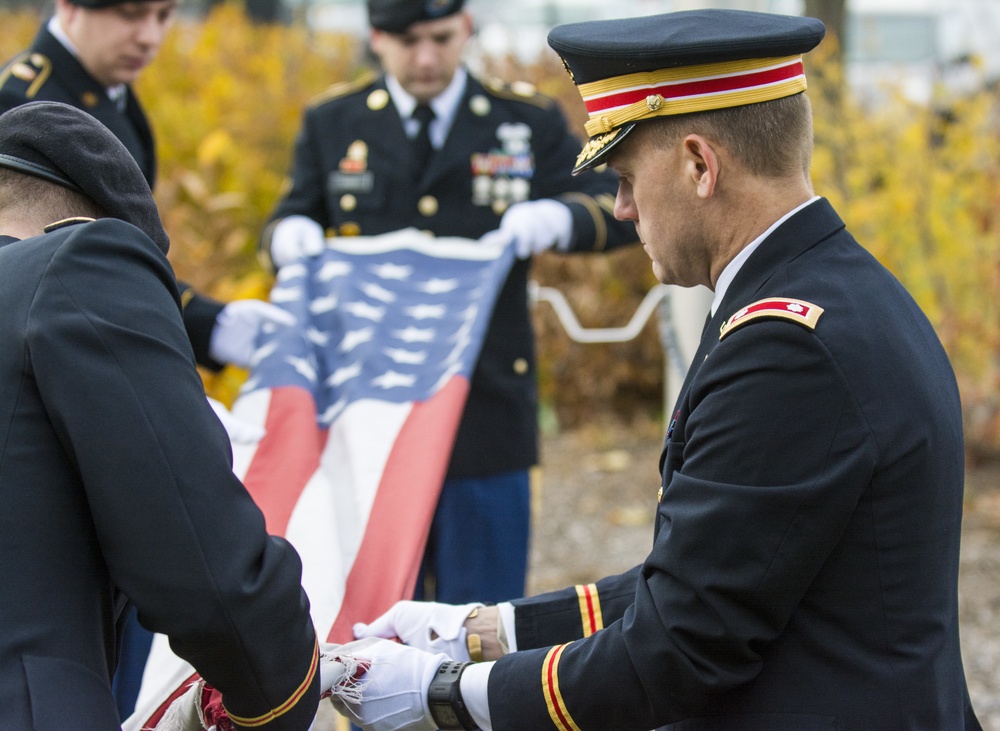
(803, 573)
(496, 157)
(114, 470)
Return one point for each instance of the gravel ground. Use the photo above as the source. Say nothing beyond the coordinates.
(594, 505)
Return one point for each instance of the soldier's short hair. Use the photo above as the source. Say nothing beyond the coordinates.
(42, 201)
(771, 139)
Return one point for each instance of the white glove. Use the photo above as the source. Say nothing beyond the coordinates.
(394, 689)
(239, 431)
(535, 226)
(429, 626)
(234, 337)
(295, 237)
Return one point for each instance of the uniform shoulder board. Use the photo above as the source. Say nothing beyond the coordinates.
(31, 69)
(800, 311)
(67, 222)
(344, 88)
(519, 91)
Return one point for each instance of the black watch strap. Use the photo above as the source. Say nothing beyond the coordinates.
(445, 699)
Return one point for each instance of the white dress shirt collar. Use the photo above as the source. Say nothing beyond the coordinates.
(445, 106)
(733, 267)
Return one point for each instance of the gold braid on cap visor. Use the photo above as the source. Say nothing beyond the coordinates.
(632, 97)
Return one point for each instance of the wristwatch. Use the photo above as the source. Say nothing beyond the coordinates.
(445, 699)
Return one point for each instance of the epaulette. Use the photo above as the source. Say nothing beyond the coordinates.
(343, 88)
(520, 91)
(31, 68)
(800, 311)
(75, 220)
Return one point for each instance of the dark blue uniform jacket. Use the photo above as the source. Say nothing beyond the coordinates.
(116, 481)
(804, 566)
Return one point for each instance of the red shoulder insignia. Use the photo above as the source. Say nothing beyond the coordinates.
(800, 311)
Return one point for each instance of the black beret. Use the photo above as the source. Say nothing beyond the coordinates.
(67, 146)
(632, 69)
(395, 16)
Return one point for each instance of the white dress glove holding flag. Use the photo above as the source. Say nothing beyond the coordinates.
(200, 707)
(237, 326)
(394, 689)
(535, 226)
(429, 626)
(295, 237)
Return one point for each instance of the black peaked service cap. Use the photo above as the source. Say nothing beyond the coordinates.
(632, 69)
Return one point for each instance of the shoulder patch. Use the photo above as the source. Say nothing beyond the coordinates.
(344, 88)
(519, 91)
(800, 311)
(32, 69)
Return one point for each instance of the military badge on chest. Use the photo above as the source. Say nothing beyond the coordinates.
(352, 175)
(502, 176)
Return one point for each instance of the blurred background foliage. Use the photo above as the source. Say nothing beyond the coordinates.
(918, 185)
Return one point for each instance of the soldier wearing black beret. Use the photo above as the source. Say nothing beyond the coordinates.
(87, 55)
(115, 474)
(426, 144)
(804, 567)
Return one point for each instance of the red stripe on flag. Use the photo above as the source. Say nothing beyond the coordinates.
(287, 456)
(696, 88)
(388, 560)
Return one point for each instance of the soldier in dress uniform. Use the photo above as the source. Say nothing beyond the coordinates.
(115, 475)
(489, 156)
(804, 567)
(87, 55)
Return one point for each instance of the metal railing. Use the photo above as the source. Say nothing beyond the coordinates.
(656, 300)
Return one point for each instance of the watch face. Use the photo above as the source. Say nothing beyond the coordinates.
(445, 699)
(445, 717)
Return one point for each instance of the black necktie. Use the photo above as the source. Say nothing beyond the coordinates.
(422, 142)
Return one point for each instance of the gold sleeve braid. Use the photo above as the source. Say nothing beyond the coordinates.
(289, 704)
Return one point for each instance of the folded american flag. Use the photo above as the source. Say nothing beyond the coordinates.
(360, 403)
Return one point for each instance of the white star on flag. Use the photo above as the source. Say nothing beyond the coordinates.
(426, 312)
(392, 271)
(438, 286)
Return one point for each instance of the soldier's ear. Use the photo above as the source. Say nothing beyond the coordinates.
(702, 164)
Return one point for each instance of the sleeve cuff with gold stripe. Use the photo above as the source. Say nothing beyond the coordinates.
(591, 618)
(289, 704)
(558, 712)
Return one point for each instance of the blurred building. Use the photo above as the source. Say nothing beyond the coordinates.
(917, 47)
(925, 49)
